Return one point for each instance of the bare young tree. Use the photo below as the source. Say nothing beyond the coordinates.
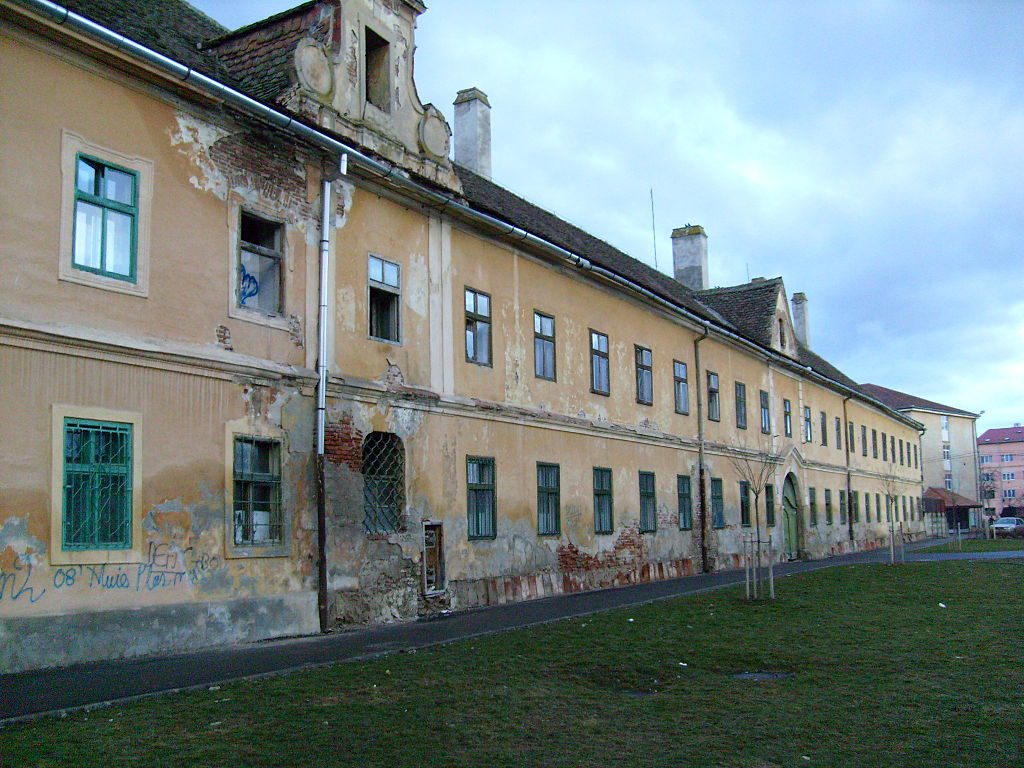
(755, 466)
(891, 484)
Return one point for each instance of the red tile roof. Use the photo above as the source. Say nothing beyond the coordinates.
(1002, 435)
(949, 498)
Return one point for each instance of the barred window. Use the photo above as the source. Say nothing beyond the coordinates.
(478, 327)
(769, 505)
(97, 485)
(257, 495)
(383, 482)
(717, 503)
(603, 501)
(685, 502)
(648, 503)
(744, 503)
(480, 497)
(548, 519)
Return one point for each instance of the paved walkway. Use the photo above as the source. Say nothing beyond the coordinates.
(49, 691)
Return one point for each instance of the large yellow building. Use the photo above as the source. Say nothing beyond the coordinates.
(270, 360)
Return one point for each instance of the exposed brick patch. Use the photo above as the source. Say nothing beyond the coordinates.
(343, 444)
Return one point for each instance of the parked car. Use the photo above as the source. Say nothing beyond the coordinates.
(1008, 526)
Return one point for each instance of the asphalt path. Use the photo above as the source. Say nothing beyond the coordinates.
(62, 689)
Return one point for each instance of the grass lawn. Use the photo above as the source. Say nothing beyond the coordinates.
(977, 545)
(880, 675)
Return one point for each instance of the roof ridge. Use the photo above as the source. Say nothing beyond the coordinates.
(252, 26)
(741, 286)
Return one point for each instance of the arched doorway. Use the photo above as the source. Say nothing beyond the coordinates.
(791, 518)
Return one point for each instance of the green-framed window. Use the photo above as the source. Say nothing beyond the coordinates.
(106, 219)
(685, 502)
(97, 510)
(828, 506)
(548, 500)
(480, 497)
(744, 503)
(842, 507)
(604, 520)
(867, 507)
(257, 493)
(854, 506)
(878, 507)
(717, 503)
(812, 505)
(769, 505)
(648, 504)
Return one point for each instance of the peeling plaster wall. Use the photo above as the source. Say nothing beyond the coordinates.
(188, 588)
(204, 168)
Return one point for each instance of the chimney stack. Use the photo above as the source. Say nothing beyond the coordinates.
(690, 256)
(800, 320)
(473, 131)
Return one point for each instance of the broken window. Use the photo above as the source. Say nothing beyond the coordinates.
(648, 504)
(787, 417)
(766, 414)
(744, 503)
(376, 66)
(478, 327)
(385, 299)
(599, 378)
(714, 404)
(480, 498)
(603, 500)
(97, 485)
(644, 376)
(717, 503)
(741, 405)
(106, 210)
(257, 493)
(543, 346)
(383, 482)
(680, 387)
(260, 262)
(685, 500)
(548, 504)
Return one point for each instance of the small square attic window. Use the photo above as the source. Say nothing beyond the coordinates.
(375, 68)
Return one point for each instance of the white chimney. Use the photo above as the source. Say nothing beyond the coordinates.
(800, 320)
(690, 256)
(473, 131)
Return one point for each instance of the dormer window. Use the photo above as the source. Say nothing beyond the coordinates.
(375, 68)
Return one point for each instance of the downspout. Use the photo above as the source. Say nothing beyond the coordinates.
(321, 396)
(849, 473)
(701, 475)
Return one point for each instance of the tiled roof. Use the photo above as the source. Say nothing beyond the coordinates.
(171, 27)
(1002, 435)
(949, 498)
(823, 366)
(486, 196)
(750, 307)
(902, 401)
(260, 55)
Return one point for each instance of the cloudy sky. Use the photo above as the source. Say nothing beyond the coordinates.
(871, 153)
